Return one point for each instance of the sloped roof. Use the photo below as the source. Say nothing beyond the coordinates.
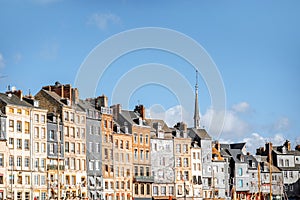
(13, 100)
(238, 145)
(58, 99)
(163, 124)
(201, 133)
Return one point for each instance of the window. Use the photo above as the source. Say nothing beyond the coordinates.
(163, 190)
(36, 118)
(121, 144)
(19, 111)
(178, 147)
(43, 148)
(43, 180)
(36, 132)
(142, 189)
(136, 171)
(11, 125)
(291, 174)
(147, 155)
(66, 116)
(185, 162)
(11, 110)
(171, 190)
(19, 126)
(43, 163)
(36, 147)
(11, 142)
(240, 172)
(72, 147)
(142, 154)
(82, 133)
(51, 134)
(67, 147)
(141, 171)
(147, 139)
(1, 159)
(43, 118)
(287, 163)
(185, 148)
(43, 135)
(179, 190)
(178, 162)
(135, 138)
(127, 145)
(36, 163)
(11, 179)
(186, 175)
(19, 143)
(136, 189)
(240, 183)
(19, 161)
(91, 165)
(26, 162)
(26, 127)
(36, 179)
(155, 190)
(135, 154)
(141, 138)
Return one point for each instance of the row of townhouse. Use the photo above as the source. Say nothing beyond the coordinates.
(57, 146)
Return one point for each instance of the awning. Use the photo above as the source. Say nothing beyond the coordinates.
(92, 180)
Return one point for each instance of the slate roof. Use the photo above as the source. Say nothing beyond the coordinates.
(237, 145)
(13, 100)
(131, 117)
(201, 133)
(163, 124)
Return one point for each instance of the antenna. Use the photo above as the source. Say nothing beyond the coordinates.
(196, 76)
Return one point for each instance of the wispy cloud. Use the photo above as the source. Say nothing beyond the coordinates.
(103, 20)
(241, 107)
(282, 124)
(2, 63)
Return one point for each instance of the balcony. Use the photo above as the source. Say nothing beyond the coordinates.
(144, 179)
(54, 167)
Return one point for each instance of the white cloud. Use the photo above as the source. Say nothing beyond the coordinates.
(233, 125)
(241, 107)
(103, 20)
(256, 140)
(2, 63)
(171, 116)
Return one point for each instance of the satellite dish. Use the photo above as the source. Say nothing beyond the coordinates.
(13, 88)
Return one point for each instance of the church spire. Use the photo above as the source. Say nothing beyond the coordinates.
(196, 111)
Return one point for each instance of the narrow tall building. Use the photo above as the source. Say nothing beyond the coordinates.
(196, 111)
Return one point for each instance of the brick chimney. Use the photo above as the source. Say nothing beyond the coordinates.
(101, 101)
(287, 144)
(18, 93)
(141, 110)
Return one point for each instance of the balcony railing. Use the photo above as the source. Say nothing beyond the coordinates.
(54, 167)
(144, 179)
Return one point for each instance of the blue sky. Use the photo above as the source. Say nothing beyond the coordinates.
(254, 44)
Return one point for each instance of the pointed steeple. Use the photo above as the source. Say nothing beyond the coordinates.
(196, 111)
